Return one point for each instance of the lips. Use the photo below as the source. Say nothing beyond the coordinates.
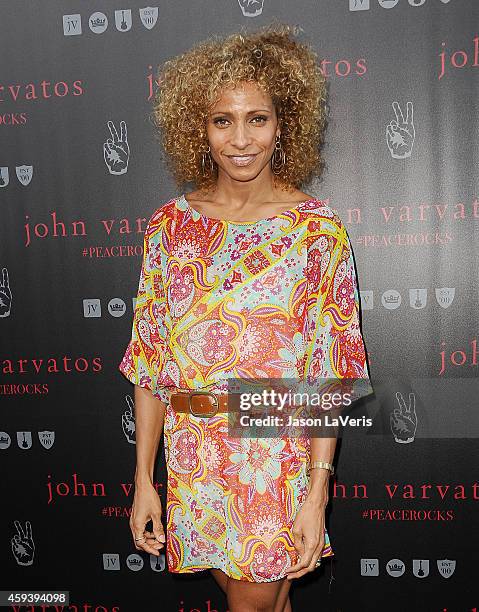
(241, 160)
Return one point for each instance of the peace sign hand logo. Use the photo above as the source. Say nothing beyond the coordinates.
(116, 150)
(403, 420)
(5, 294)
(23, 547)
(400, 133)
(128, 421)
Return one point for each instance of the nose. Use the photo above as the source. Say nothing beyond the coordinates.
(240, 136)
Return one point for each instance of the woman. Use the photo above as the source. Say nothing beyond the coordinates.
(248, 276)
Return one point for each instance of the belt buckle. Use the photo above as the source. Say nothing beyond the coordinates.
(205, 414)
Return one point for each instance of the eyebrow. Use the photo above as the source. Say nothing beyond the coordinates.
(260, 110)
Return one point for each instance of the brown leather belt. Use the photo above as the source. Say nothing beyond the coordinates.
(204, 403)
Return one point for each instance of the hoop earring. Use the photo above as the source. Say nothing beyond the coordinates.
(278, 159)
(204, 155)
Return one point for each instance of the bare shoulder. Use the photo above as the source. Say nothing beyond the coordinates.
(198, 196)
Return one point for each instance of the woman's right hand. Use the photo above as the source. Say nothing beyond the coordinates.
(147, 506)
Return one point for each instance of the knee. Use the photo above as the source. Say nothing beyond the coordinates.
(252, 605)
(256, 606)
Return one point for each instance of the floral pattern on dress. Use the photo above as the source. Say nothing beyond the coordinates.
(216, 299)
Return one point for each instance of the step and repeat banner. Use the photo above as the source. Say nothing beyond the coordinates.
(81, 172)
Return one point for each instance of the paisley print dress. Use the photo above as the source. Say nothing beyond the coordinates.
(220, 299)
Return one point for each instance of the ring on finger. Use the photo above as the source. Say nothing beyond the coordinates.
(141, 538)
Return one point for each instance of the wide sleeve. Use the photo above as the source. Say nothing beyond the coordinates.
(144, 356)
(335, 345)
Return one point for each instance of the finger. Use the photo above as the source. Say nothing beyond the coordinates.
(19, 529)
(113, 131)
(409, 111)
(412, 402)
(123, 131)
(302, 563)
(316, 556)
(4, 277)
(150, 535)
(141, 543)
(151, 540)
(390, 131)
(401, 402)
(305, 570)
(158, 531)
(298, 541)
(131, 404)
(398, 111)
(152, 546)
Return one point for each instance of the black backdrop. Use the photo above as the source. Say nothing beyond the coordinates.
(402, 512)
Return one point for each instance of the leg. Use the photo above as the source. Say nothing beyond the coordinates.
(283, 603)
(220, 577)
(256, 596)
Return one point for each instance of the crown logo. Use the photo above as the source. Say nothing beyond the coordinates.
(392, 299)
(134, 562)
(395, 567)
(98, 22)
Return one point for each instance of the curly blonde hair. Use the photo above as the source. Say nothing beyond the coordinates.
(192, 82)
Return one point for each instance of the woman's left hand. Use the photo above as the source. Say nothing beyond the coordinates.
(308, 533)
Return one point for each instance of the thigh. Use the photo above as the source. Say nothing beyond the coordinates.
(282, 600)
(246, 596)
(220, 577)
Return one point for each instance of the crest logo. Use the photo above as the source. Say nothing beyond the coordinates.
(47, 438)
(445, 296)
(446, 567)
(24, 174)
(149, 16)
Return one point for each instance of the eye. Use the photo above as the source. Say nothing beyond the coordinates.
(223, 120)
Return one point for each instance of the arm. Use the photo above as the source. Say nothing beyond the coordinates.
(142, 360)
(149, 421)
(335, 352)
(334, 335)
(322, 449)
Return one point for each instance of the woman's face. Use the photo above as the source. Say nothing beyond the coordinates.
(242, 128)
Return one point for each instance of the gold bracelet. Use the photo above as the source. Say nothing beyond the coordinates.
(321, 464)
